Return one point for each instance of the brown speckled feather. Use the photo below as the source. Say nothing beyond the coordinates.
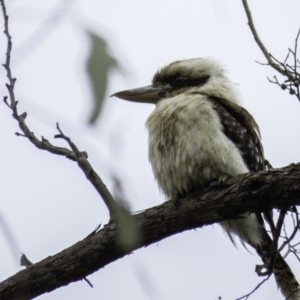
(240, 127)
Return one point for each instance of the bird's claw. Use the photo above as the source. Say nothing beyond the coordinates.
(223, 178)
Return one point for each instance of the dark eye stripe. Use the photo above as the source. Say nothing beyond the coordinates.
(180, 82)
(177, 81)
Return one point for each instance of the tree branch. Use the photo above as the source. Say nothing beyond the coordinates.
(290, 72)
(82, 160)
(252, 192)
(262, 47)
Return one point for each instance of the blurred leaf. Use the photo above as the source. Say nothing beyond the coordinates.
(129, 231)
(99, 63)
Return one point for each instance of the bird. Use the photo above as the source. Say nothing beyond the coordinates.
(199, 133)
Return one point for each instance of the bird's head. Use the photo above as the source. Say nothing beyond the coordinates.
(197, 75)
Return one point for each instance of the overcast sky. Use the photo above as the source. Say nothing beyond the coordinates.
(46, 201)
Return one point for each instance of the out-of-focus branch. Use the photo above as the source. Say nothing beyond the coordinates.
(43, 144)
(251, 192)
(292, 74)
(47, 27)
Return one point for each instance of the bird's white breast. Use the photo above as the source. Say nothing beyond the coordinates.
(187, 148)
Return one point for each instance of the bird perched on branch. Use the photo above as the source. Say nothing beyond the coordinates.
(198, 133)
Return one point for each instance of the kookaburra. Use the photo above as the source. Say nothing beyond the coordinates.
(198, 133)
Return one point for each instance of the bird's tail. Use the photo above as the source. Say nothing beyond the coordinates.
(250, 229)
(285, 279)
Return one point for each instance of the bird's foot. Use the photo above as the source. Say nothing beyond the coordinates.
(262, 270)
(223, 178)
(176, 201)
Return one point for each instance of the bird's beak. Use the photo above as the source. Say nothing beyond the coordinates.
(145, 94)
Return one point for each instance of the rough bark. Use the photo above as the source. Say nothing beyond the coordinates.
(278, 188)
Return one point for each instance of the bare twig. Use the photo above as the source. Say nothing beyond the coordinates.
(255, 289)
(288, 240)
(88, 282)
(278, 228)
(295, 252)
(292, 248)
(292, 84)
(269, 266)
(296, 62)
(274, 247)
(24, 261)
(12, 103)
(44, 144)
(91, 175)
(259, 42)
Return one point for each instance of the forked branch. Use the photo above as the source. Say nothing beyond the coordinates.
(74, 154)
(291, 72)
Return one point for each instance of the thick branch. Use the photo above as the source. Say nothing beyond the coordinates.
(277, 188)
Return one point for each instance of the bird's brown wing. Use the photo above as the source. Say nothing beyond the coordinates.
(241, 128)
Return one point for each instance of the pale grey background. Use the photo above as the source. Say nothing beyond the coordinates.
(45, 199)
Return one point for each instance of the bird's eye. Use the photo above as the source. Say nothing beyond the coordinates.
(177, 81)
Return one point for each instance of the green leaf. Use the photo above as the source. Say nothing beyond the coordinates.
(99, 63)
